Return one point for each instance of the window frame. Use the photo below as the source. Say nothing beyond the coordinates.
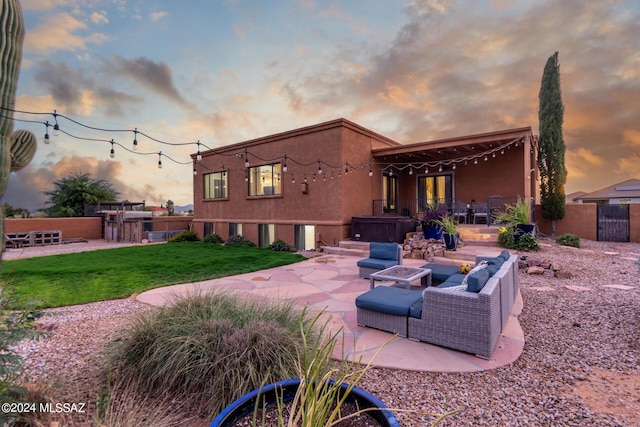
(258, 174)
(209, 178)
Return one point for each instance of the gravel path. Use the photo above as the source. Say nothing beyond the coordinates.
(579, 366)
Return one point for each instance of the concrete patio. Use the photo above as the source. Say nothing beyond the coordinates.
(330, 284)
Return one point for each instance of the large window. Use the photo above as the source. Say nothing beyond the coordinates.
(215, 185)
(265, 180)
(266, 234)
(435, 187)
(305, 237)
(390, 192)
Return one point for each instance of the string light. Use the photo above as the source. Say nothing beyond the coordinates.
(284, 167)
(46, 133)
(112, 154)
(135, 139)
(56, 128)
(160, 160)
(198, 155)
(319, 168)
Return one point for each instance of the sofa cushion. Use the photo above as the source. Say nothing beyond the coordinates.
(505, 254)
(453, 280)
(386, 251)
(497, 261)
(492, 269)
(415, 310)
(389, 300)
(477, 280)
(378, 264)
(441, 272)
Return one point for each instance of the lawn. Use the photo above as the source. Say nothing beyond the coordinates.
(60, 280)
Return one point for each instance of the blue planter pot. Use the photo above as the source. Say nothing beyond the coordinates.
(246, 404)
(522, 229)
(432, 231)
(450, 241)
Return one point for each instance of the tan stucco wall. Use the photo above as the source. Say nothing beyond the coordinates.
(634, 222)
(71, 228)
(580, 219)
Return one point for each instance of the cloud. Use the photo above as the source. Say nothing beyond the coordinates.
(76, 92)
(156, 76)
(631, 137)
(156, 16)
(44, 4)
(26, 188)
(60, 32)
(99, 18)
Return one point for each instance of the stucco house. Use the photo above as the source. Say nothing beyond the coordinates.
(617, 194)
(305, 185)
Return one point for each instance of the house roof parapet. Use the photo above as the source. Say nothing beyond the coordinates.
(337, 123)
(629, 189)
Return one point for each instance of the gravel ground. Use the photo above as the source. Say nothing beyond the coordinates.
(579, 365)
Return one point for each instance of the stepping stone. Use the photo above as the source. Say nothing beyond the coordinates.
(577, 288)
(542, 288)
(621, 287)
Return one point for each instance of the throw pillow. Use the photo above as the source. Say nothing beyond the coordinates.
(481, 265)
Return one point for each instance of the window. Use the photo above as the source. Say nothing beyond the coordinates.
(215, 185)
(390, 192)
(305, 237)
(266, 234)
(265, 180)
(235, 229)
(209, 228)
(436, 187)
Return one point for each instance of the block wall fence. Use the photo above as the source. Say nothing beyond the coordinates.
(580, 219)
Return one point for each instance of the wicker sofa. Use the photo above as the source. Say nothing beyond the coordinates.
(469, 321)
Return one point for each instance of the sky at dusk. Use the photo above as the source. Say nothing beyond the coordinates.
(221, 72)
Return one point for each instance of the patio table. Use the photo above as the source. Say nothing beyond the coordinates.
(402, 275)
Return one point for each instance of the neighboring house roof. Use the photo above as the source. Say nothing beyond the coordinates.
(629, 189)
(571, 197)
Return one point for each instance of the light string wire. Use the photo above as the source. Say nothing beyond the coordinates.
(348, 167)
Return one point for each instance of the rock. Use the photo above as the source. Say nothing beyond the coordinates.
(563, 274)
(548, 273)
(535, 270)
(417, 254)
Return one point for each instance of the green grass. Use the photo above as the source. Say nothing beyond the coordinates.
(61, 280)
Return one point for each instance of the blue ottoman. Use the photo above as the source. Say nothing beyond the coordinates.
(386, 308)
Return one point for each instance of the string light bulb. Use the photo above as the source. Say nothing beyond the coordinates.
(453, 167)
(426, 169)
(112, 154)
(246, 158)
(475, 161)
(410, 170)
(46, 133)
(485, 158)
(135, 139)
(319, 168)
(56, 128)
(370, 170)
(195, 172)
(440, 168)
(284, 166)
(160, 160)
(198, 154)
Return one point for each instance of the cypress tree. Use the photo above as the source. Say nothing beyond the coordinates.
(551, 148)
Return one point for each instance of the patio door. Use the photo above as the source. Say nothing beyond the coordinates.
(435, 187)
(390, 193)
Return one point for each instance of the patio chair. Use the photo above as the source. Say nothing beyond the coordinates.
(460, 212)
(480, 211)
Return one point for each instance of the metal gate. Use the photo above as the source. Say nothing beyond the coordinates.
(613, 223)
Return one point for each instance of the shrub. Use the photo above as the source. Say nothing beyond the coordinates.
(527, 243)
(208, 349)
(16, 324)
(505, 237)
(240, 241)
(568, 240)
(185, 236)
(282, 246)
(213, 238)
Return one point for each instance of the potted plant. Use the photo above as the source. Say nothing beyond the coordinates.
(449, 232)
(518, 217)
(317, 396)
(430, 221)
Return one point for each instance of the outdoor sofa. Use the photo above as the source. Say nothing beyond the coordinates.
(381, 256)
(468, 320)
